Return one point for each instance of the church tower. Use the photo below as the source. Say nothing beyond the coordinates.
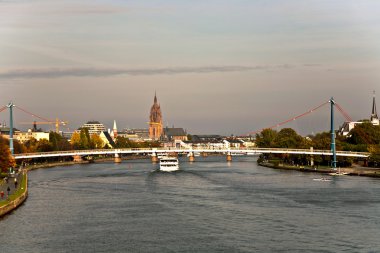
(155, 121)
(374, 117)
(114, 130)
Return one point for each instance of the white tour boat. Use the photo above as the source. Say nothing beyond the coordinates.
(169, 164)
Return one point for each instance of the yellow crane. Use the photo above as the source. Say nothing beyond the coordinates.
(57, 123)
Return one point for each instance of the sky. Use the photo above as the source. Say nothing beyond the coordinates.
(218, 66)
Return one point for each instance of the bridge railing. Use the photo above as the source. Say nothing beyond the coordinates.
(173, 149)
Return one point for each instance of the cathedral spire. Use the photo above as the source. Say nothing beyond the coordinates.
(374, 112)
(155, 97)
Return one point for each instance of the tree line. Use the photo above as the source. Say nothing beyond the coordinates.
(364, 137)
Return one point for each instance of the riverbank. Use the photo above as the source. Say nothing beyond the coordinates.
(17, 198)
(69, 163)
(353, 171)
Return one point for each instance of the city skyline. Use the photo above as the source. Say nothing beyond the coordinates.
(217, 67)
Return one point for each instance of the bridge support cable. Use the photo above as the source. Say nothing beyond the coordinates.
(32, 114)
(343, 112)
(291, 119)
(3, 108)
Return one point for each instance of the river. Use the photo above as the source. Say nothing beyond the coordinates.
(208, 206)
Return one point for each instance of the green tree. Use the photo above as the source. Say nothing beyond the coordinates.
(288, 138)
(58, 143)
(321, 141)
(44, 145)
(266, 138)
(364, 133)
(85, 139)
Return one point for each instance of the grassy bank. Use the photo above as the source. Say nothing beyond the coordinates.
(20, 191)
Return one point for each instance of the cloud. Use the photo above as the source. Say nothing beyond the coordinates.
(107, 72)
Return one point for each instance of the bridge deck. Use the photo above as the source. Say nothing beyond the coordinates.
(186, 151)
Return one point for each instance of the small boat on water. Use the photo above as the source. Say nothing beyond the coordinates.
(323, 179)
(338, 173)
(169, 164)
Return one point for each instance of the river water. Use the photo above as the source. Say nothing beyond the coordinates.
(208, 206)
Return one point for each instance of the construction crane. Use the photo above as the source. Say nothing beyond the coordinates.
(57, 123)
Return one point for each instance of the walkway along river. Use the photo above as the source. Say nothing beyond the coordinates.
(208, 206)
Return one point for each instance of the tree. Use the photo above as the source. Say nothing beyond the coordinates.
(288, 138)
(58, 142)
(321, 141)
(31, 145)
(97, 141)
(6, 159)
(364, 133)
(82, 140)
(44, 145)
(375, 155)
(75, 140)
(266, 138)
(19, 147)
(85, 139)
(122, 142)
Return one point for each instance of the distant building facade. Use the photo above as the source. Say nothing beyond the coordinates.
(135, 134)
(94, 127)
(175, 134)
(26, 136)
(155, 121)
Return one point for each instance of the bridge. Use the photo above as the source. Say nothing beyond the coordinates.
(78, 154)
(154, 152)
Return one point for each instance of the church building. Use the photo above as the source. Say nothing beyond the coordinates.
(155, 121)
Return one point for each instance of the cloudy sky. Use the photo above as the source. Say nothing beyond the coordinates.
(218, 66)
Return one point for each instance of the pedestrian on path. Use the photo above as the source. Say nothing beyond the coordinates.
(16, 183)
(2, 194)
(8, 190)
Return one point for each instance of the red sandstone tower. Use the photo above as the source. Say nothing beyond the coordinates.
(155, 121)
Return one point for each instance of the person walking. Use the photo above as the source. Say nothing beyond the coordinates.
(16, 183)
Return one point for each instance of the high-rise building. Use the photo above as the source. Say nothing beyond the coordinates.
(94, 127)
(155, 121)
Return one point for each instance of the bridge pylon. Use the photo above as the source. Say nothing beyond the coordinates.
(154, 157)
(117, 158)
(10, 106)
(191, 157)
(229, 156)
(332, 146)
